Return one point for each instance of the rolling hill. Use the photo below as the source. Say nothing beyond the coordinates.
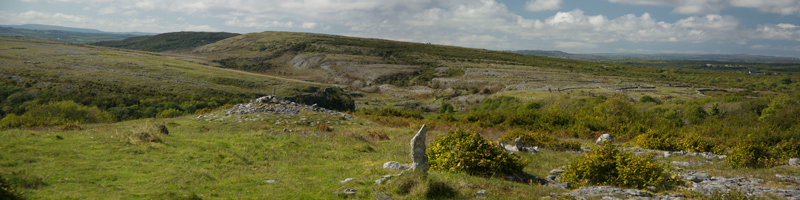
(132, 84)
(167, 41)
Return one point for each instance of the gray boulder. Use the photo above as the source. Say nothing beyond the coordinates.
(794, 161)
(395, 165)
(605, 138)
(418, 147)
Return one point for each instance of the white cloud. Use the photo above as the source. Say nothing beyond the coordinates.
(540, 5)
(146, 24)
(692, 7)
(783, 7)
(778, 32)
(309, 25)
(574, 45)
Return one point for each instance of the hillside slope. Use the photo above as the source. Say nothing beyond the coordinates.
(167, 41)
(131, 84)
(61, 36)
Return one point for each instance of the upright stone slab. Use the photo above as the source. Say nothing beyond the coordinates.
(420, 160)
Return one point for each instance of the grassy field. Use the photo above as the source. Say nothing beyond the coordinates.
(225, 160)
(211, 155)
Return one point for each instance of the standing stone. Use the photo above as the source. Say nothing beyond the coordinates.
(420, 160)
(605, 138)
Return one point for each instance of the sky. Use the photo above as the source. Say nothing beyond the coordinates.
(760, 27)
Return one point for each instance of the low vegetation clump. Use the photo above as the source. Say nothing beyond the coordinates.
(759, 154)
(390, 112)
(416, 185)
(461, 151)
(56, 113)
(610, 165)
(539, 139)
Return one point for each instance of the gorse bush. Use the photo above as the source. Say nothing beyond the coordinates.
(461, 151)
(56, 113)
(753, 154)
(654, 140)
(609, 165)
(539, 139)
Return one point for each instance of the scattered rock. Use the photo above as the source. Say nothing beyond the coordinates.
(592, 191)
(528, 179)
(682, 163)
(794, 161)
(386, 178)
(348, 180)
(395, 165)
(270, 181)
(752, 186)
(795, 179)
(556, 171)
(350, 191)
(564, 185)
(420, 160)
(605, 138)
(277, 105)
(482, 193)
(518, 147)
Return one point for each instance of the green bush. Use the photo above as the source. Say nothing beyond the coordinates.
(461, 151)
(654, 140)
(646, 99)
(608, 165)
(696, 144)
(56, 113)
(170, 113)
(391, 112)
(540, 140)
(751, 154)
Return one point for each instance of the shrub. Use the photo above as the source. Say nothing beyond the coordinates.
(751, 154)
(653, 140)
(169, 113)
(56, 113)
(447, 108)
(695, 144)
(646, 99)
(608, 165)
(391, 112)
(540, 140)
(471, 153)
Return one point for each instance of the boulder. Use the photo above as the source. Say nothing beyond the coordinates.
(418, 147)
(395, 165)
(605, 138)
(794, 161)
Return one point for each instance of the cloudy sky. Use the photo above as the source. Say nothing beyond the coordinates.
(762, 27)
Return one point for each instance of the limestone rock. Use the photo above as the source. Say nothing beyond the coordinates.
(605, 138)
(794, 161)
(418, 147)
(395, 165)
(348, 180)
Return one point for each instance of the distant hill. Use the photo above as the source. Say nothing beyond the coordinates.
(61, 35)
(168, 41)
(62, 28)
(560, 54)
(662, 56)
